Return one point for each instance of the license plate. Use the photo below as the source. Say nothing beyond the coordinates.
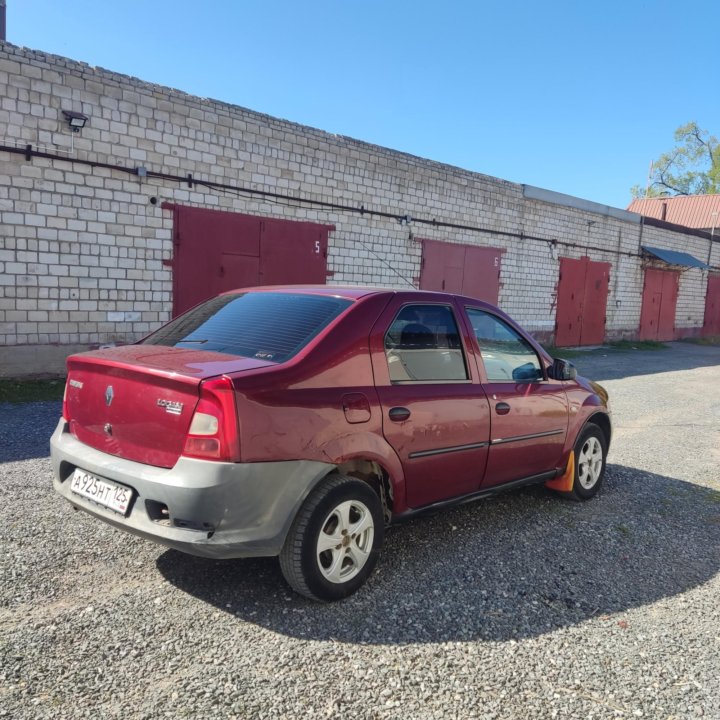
(104, 492)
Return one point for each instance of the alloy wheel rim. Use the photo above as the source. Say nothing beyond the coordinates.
(590, 462)
(345, 541)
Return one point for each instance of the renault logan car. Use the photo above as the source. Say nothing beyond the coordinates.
(300, 421)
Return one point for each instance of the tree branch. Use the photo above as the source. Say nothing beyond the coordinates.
(664, 183)
(685, 169)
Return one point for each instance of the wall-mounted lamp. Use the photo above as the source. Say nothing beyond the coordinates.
(75, 120)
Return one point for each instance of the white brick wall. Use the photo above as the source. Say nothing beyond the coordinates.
(82, 248)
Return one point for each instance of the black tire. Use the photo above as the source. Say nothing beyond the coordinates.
(336, 506)
(590, 455)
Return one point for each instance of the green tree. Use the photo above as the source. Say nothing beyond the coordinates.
(692, 167)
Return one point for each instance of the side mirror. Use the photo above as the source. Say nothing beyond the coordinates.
(562, 370)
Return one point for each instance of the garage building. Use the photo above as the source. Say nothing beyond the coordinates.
(123, 203)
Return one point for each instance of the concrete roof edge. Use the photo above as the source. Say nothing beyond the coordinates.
(555, 198)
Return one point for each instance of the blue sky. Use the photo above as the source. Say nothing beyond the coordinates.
(573, 96)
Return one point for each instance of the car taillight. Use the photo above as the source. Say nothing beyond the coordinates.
(65, 410)
(213, 433)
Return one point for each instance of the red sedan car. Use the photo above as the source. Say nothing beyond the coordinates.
(300, 421)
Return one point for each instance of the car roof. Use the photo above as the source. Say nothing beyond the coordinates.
(354, 292)
(349, 292)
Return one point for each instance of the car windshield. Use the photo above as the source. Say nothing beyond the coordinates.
(269, 326)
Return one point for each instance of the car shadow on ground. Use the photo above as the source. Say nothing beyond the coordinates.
(517, 566)
(611, 364)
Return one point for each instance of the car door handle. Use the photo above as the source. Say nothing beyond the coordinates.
(398, 414)
(502, 408)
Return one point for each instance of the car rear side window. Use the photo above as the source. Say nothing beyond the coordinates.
(423, 344)
(507, 356)
(268, 326)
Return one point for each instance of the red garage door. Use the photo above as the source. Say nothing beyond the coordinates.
(217, 251)
(657, 315)
(581, 302)
(464, 269)
(711, 327)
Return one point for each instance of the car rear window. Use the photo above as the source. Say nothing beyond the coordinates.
(268, 326)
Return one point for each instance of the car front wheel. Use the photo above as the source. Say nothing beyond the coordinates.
(335, 539)
(590, 454)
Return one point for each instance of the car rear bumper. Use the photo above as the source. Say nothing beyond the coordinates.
(215, 509)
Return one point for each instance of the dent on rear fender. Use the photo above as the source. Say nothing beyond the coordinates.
(372, 447)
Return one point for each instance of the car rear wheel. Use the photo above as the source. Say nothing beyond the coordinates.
(335, 539)
(590, 455)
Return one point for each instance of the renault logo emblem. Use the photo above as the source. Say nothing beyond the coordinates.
(109, 395)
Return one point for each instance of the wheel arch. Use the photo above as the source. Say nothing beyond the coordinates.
(369, 457)
(602, 420)
(376, 476)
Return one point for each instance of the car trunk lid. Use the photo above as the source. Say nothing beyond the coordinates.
(137, 402)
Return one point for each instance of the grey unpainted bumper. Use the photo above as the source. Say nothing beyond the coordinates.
(248, 507)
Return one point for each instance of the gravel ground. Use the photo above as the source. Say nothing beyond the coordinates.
(523, 606)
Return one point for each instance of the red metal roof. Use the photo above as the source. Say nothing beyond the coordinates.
(693, 211)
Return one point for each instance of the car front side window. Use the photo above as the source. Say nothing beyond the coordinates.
(506, 355)
(423, 344)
